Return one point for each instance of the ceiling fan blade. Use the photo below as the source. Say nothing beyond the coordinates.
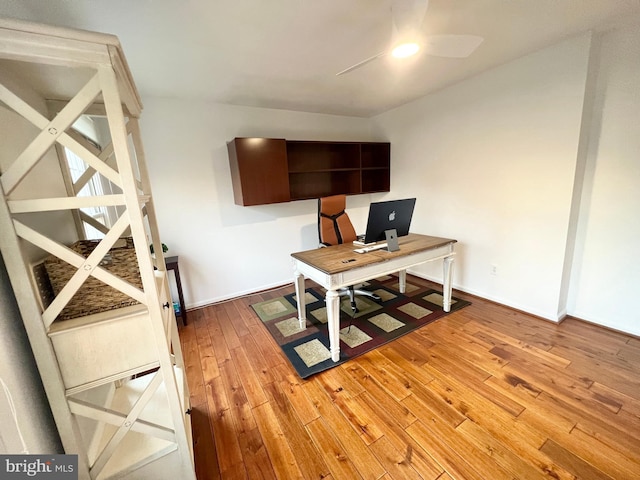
(455, 46)
(362, 63)
(407, 16)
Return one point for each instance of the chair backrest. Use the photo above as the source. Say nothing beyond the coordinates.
(334, 226)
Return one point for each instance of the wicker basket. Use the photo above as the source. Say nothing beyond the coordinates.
(95, 296)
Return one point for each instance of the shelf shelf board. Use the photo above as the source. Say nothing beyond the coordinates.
(119, 376)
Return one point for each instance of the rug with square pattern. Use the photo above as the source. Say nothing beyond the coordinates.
(375, 324)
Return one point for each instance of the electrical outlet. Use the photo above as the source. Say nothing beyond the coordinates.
(494, 269)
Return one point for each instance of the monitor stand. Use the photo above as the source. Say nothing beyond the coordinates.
(392, 240)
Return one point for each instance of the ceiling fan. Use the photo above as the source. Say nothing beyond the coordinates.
(407, 37)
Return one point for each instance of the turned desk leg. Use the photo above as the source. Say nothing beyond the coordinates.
(333, 320)
(402, 280)
(300, 301)
(446, 284)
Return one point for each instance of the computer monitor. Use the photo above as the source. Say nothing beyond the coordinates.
(392, 214)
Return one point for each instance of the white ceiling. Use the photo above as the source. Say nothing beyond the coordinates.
(284, 54)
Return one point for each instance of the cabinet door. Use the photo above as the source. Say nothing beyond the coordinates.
(259, 170)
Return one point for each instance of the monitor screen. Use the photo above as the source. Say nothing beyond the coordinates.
(389, 215)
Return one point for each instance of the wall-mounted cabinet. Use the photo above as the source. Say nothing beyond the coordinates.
(259, 170)
(265, 170)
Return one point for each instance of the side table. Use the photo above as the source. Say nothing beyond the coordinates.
(172, 264)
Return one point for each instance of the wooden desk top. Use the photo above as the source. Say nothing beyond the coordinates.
(340, 258)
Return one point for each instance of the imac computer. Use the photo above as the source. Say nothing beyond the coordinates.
(392, 214)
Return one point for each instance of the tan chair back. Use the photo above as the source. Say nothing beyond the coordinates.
(334, 225)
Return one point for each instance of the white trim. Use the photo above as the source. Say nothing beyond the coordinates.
(498, 300)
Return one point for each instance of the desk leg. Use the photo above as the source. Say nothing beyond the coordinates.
(300, 294)
(446, 284)
(183, 308)
(402, 280)
(333, 319)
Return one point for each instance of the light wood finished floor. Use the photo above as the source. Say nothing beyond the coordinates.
(485, 393)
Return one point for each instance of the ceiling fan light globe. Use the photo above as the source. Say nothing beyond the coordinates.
(405, 50)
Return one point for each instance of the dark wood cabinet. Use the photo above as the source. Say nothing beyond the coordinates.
(275, 170)
(259, 170)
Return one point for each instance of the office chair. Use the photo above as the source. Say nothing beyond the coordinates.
(334, 227)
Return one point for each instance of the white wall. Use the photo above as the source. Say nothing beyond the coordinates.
(606, 274)
(492, 161)
(226, 250)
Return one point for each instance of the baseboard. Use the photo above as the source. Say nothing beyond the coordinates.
(496, 300)
(602, 325)
(233, 296)
(560, 317)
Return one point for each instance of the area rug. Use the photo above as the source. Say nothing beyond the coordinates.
(375, 324)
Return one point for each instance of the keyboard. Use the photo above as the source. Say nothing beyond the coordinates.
(371, 248)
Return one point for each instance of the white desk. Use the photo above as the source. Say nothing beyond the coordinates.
(339, 266)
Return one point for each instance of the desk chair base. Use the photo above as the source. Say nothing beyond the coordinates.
(351, 292)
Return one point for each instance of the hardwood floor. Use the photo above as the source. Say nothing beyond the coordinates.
(484, 393)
